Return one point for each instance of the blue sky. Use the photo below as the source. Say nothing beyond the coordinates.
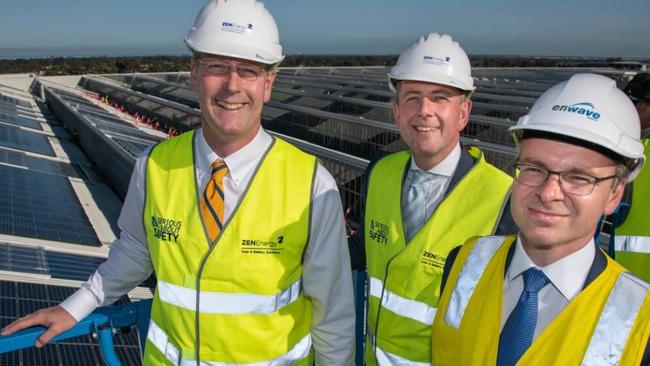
(120, 27)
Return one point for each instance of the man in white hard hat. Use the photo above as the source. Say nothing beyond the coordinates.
(549, 296)
(424, 201)
(245, 232)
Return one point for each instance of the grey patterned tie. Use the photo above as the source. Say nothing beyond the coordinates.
(414, 207)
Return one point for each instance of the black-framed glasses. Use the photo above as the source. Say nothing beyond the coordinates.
(219, 68)
(578, 184)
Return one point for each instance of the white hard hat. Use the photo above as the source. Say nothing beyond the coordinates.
(434, 59)
(236, 28)
(590, 108)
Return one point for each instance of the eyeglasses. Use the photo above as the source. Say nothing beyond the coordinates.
(577, 184)
(218, 68)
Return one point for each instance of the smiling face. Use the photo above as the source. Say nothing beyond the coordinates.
(430, 117)
(554, 224)
(231, 107)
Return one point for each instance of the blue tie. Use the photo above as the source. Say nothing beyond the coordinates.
(517, 333)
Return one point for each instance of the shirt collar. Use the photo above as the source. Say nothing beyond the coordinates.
(242, 161)
(446, 167)
(567, 274)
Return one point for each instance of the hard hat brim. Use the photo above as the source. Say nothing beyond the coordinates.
(235, 51)
(634, 153)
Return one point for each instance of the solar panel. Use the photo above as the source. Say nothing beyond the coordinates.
(45, 166)
(25, 140)
(70, 266)
(15, 101)
(17, 299)
(57, 168)
(24, 259)
(20, 121)
(76, 267)
(44, 206)
(134, 148)
(103, 115)
(110, 125)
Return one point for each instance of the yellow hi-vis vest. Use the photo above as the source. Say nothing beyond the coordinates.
(404, 280)
(632, 239)
(608, 323)
(238, 300)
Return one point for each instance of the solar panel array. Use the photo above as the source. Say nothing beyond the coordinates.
(39, 162)
(36, 197)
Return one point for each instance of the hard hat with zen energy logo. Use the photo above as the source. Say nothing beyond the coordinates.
(434, 59)
(590, 108)
(236, 28)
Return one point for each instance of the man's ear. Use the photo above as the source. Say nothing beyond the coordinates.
(269, 78)
(615, 196)
(194, 75)
(465, 109)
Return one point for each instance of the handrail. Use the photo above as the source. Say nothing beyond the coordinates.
(101, 322)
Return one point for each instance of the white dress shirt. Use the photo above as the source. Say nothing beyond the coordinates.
(327, 280)
(434, 190)
(567, 277)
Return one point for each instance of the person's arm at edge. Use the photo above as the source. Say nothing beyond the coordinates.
(327, 277)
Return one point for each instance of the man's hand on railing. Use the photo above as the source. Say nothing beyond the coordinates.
(55, 318)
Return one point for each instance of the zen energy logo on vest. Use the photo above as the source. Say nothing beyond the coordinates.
(584, 108)
(263, 247)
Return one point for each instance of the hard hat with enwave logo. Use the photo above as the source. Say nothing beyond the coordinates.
(590, 108)
(434, 59)
(236, 28)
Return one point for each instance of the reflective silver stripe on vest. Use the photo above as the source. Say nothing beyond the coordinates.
(616, 321)
(227, 303)
(159, 339)
(402, 306)
(385, 358)
(470, 274)
(638, 244)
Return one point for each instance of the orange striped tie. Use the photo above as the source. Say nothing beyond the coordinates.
(212, 203)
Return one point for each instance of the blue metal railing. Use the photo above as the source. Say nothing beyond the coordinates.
(360, 304)
(101, 322)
